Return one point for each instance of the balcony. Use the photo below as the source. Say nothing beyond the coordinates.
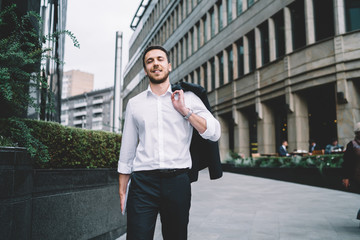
(80, 113)
(97, 110)
(97, 119)
(77, 122)
(97, 101)
(79, 105)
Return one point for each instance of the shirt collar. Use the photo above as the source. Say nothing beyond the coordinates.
(149, 91)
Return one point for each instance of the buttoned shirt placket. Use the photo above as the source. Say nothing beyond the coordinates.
(159, 100)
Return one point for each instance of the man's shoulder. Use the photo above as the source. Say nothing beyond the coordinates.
(138, 98)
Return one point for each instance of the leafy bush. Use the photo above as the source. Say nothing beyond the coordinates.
(52, 145)
(318, 161)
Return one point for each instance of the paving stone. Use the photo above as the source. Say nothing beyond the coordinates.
(241, 207)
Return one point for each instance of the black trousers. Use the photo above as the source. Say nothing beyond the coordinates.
(150, 194)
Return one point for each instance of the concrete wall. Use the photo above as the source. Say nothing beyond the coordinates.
(57, 204)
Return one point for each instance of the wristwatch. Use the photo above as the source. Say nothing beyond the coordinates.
(189, 114)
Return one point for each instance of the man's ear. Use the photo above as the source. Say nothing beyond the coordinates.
(145, 72)
(170, 67)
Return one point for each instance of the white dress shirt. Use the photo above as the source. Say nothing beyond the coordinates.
(156, 136)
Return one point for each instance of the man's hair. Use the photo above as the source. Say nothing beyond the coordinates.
(148, 49)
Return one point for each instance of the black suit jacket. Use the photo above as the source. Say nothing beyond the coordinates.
(204, 153)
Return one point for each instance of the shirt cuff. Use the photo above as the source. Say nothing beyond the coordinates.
(210, 132)
(123, 169)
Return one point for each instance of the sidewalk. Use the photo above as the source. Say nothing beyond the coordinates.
(243, 207)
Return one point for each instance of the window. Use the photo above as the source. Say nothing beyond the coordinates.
(230, 56)
(198, 75)
(239, 7)
(352, 15)
(264, 36)
(212, 19)
(229, 11)
(212, 64)
(205, 77)
(192, 50)
(250, 3)
(205, 29)
(240, 57)
(324, 19)
(221, 68)
(220, 15)
(298, 24)
(252, 54)
(192, 77)
(198, 35)
(185, 47)
(279, 33)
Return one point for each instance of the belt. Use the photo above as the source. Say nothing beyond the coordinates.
(165, 172)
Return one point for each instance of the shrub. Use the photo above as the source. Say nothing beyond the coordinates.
(318, 161)
(57, 146)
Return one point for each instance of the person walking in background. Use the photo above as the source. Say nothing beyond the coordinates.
(155, 152)
(282, 149)
(312, 145)
(334, 146)
(351, 164)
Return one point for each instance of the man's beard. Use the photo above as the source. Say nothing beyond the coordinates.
(159, 81)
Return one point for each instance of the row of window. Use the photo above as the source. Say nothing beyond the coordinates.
(197, 37)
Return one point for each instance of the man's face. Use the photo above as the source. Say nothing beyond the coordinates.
(157, 67)
(285, 143)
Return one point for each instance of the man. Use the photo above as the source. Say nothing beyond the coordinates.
(351, 164)
(155, 151)
(312, 146)
(282, 149)
(334, 146)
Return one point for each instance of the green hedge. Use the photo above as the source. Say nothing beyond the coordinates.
(318, 161)
(52, 145)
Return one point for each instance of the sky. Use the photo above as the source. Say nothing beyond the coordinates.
(94, 23)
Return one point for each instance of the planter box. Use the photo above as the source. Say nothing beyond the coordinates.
(329, 178)
(57, 203)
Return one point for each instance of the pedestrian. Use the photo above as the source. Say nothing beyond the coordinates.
(351, 164)
(282, 149)
(155, 152)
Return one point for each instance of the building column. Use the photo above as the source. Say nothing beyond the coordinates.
(288, 31)
(258, 48)
(272, 40)
(339, 14)
(266, 131)
(246, 55)
(208, 29)
(224, 139)
(234, 9)
(348, 114)
(298, 124)
(224, 13)
(241, 133)
(235, 61)
(208, 76)
(202, 77)
(217, 72)
(216, 16)
(245, 5)
(225, 67)
(195, 32)
(309, 22)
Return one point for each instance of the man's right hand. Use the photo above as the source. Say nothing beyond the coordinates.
(346, 182)
(123, 182)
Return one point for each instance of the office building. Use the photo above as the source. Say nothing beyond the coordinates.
(92, 110)
(273, 69)
(76, 82)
